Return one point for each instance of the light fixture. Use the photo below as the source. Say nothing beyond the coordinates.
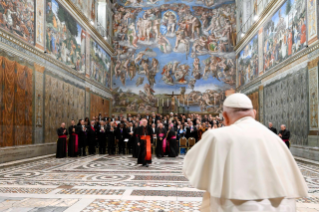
(105, 38)
(92, 22)
(255, 17)
(242, 35)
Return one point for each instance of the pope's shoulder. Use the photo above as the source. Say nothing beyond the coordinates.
(246, 128)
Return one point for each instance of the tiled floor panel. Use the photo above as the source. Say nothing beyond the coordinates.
(167, 193)
(112, 183)
(141, 205)
(92, 191)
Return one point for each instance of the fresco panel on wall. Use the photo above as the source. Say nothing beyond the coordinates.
(285, 33)
(17, 17)
(65, 38)
(247, 62)
(40, 24)
(100, 64)
(312, 20)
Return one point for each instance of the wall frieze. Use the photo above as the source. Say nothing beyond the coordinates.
(29, 53)
(302, 55)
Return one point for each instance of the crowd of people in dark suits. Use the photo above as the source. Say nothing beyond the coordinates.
(104, 134)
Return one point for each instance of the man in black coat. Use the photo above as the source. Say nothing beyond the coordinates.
(191, 131)
(135, 148)
(82, 133)
(271, 128)
(101, 135)
(130, 136)
(284, 134)
(144, 141)
(92, 138)
(120, 136)
(111, 138)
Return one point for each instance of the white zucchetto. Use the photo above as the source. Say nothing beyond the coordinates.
(238, 100)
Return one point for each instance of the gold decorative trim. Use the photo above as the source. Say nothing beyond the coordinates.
(312, 40)
(313, 63)
(256, 24)
(39, 68)
(280, 66)
(87, 22)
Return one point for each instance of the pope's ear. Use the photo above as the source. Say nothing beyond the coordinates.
(226, 118)
(255, 112)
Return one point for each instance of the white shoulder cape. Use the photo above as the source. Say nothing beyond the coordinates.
(244, 161)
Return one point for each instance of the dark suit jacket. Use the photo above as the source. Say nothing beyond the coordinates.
(274, 130)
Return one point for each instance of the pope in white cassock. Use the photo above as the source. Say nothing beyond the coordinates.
(244, 166)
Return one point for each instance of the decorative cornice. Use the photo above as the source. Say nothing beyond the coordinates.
(285, 73)
(96, 34)
(297, 56)
(255, 27)
(98, 91)
(252, 89)
(31, 54)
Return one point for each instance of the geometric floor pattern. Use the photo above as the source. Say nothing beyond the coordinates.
(112, 183)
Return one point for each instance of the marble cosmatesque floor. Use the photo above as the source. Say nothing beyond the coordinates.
(111, 183)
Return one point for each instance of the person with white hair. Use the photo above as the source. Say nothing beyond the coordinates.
(144, 141)
(171, 116)
(271, 128)
(284, 134)
(244, 166)
(62, 143)
(161, 142)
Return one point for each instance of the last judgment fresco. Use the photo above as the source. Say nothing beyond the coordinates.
(173, 54)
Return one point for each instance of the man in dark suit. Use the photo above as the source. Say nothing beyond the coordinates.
(191, 131)
(129, 118)
(271, 128)
(153, 128)
(154, 118)
(129, 134)
(120, 136)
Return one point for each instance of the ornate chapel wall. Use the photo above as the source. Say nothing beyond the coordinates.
(54, 67)
(278, 60)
